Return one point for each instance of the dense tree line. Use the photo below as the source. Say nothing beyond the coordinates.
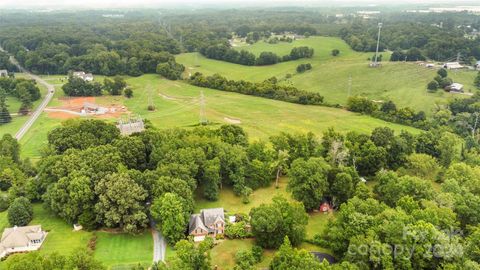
(5, 62)
(267, 89)
(26, 91)
(413, 40)
(79, 259)
(78, 87)
(388, 111)
(243, 57)
(79, 183)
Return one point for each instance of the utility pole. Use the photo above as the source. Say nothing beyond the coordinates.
(378, 44)
(203, 115)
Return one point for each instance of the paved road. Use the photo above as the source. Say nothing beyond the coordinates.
(36, 113)
(159, 244)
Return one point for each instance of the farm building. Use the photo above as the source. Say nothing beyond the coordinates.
(91, 108)
(88, 77)
(3, 73)
(477, 65)
(325, 207)
(455, 87)
(209, 222)
(453, 65)
(21, 239)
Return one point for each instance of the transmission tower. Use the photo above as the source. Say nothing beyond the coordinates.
(378, 44)
(203, 114)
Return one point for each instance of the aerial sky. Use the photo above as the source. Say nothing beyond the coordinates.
(179, 3)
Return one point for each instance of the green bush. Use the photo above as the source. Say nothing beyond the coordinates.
(236, 230)
(20, 212)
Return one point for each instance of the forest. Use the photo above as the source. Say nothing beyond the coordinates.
(424, 183)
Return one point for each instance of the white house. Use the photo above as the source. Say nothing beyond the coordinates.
(3, 73)
(88, 77)
(21, 239)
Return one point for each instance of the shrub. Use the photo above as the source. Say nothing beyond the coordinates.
(128, 92)
(257, 252)
(433, 85)
(4, 202)
(335, 52)
(88, 220)
(442, 72)
(236, 230)
(20, 212)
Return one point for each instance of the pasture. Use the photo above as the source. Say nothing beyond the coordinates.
(338, 77)
(178, 105)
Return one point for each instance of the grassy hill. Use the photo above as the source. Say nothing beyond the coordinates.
(404, 83)
(178, 105)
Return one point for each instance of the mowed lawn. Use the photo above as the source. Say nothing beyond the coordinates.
(60, 239)
(404, 83)
(233, 204)
(122, 251)
(114, 250)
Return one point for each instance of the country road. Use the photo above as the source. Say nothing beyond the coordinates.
(159, 244)
(36, 113)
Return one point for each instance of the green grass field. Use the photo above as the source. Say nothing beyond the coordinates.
(61, 238)
(122, 251)
(404, 83)
(233, 204)
(114, 250)
(177, 105)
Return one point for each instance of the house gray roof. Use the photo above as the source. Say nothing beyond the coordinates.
(20, 236)
(205, 219)
(210, 215)
(196, 222)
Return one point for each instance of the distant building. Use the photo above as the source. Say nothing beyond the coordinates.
(130, 125)
(455, 87)
(90, 108)
(477, 65)
(209, 222)
(21, 239)
(3, 73)
(453, 65)
(88, 77)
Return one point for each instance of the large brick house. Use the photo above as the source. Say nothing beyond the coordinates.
(208, 222)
